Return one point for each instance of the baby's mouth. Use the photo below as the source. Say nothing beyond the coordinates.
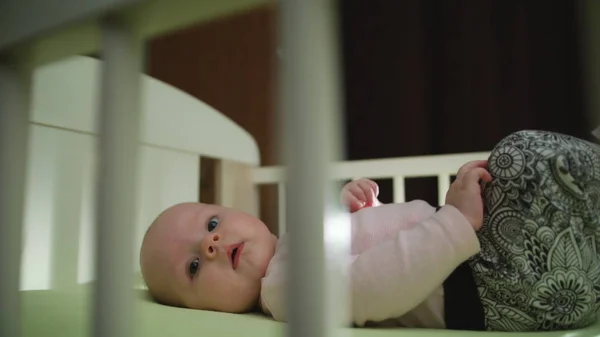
(234, 254)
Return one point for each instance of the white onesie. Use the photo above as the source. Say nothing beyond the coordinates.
(403, 253)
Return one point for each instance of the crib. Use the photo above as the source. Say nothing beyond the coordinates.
(79, 188)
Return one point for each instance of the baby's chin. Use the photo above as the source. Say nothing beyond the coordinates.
(258, 262)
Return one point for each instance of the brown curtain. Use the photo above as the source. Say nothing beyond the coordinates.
(433, 77)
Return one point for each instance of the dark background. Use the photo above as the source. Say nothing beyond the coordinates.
(420, 76)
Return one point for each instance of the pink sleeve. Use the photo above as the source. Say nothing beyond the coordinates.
(273, 287)
(393, 277)
(371, 226)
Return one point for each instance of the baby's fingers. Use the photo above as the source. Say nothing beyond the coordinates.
(476, 174)
(358, 192)
(374, 186)
(468, 167)
(369, 191)
(355, 204)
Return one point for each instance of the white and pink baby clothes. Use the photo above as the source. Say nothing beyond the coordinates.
(402, 253)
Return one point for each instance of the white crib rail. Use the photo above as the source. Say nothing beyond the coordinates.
(398, 169)
(14, 106)
(309, 132)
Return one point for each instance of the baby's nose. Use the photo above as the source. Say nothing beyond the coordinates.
(210, 245)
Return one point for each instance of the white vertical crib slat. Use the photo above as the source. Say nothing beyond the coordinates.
(310, 137)
(281, 208)
(115, 208)
(66, 221)
(14, 116)
(443, 184)
(399, 191)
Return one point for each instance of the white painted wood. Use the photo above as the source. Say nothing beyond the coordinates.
(118, 149)
(165, 178)
(86, 270)
(40, 206)
(281, 215)
(66, 37)
(67, 203)
(443, 184)
(399, 192)
(310, 107)
(234, 187)
(63, 110)
(171, 118)
(26, 19)
(408, 167)
(15, 90)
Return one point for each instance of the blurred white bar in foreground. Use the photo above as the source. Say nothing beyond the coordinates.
(310, 133)
(15, 92)
(119, 122)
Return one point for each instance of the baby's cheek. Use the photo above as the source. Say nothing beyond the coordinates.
(213, 276)
(210, 282)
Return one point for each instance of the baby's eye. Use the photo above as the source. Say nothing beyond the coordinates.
(212, 223)
(194, 267)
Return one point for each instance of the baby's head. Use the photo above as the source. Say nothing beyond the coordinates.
(206, 257)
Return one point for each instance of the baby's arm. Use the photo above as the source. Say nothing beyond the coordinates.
(390, 279)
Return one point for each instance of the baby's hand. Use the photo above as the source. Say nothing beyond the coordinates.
(465, 191)
(359, 194)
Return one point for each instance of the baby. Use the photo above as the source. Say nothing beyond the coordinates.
(524, 257)
(213, 258)
(207, 257)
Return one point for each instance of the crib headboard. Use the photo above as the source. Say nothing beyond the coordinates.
(59, 220)
(177, 130)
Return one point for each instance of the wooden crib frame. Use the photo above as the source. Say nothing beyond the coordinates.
(34, 33)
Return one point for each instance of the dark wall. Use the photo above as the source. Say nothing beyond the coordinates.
(420, 77)
(434, 77)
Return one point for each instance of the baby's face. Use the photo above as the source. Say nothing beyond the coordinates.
(206, 257)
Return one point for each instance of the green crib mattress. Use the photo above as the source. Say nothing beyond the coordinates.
(49, 313)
